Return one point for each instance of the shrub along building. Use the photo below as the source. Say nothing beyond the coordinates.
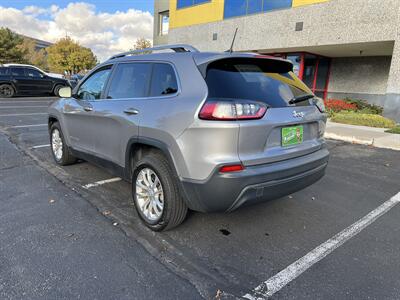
(339, 48)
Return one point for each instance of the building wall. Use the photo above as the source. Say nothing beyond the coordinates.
(392, 102)
(331, 23)
(359, 75)
(341, 28)
(209, 12)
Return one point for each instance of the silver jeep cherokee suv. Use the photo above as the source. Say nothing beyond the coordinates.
(193, 130)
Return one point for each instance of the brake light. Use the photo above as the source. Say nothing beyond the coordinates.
(230, 110)
(231, 168)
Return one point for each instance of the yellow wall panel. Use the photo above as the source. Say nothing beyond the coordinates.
(197, 14)
(306, 2)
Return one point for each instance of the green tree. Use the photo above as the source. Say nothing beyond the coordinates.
(68, 55)
(10, 50)
(141, 43)
(32, 55)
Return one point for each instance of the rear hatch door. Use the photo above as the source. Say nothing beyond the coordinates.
(287, 130)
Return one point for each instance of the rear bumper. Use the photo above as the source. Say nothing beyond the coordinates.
(227, 192)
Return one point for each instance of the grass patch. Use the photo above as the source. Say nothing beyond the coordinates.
(370, 120)
(394, 130)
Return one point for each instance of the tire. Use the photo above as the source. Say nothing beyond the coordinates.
(6, 91)
(174, 208)
(56, 90)
(65, 158)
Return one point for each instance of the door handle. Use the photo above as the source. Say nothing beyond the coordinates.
(87, 108)
(131, 111)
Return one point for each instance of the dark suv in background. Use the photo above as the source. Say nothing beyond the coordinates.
(24, 80)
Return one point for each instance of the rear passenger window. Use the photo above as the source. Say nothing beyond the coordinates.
(163, 81)
(131, 80)
(33, 73)
(17, 72)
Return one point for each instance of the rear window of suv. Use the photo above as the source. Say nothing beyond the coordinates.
(252, 79)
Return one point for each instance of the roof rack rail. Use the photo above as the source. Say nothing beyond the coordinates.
(176, 48)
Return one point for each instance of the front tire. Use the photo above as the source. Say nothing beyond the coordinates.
(57, 88)
(6, 91)
(61, 152)
(156, 193)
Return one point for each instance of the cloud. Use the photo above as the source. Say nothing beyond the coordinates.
(34, 10)
(105, 33)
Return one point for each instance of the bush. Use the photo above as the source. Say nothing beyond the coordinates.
(371, 120)
(394, 130)
(364, 107)
(337, 105)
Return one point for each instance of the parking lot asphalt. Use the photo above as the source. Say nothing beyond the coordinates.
(233, 253)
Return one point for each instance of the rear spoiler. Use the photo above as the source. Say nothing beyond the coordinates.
(268, 63)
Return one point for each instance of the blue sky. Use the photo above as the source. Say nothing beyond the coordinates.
(106, 27)
(101, 5)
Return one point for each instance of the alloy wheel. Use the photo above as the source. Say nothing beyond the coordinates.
(149, 194)
(57, 144)
(6, 91)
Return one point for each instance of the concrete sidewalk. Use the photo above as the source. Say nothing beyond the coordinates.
(376, 137)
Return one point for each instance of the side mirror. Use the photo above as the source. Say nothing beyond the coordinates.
(65, 92)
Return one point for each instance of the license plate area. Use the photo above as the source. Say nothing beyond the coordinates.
(292, 135)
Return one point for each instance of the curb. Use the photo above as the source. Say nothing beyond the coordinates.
(354, 140)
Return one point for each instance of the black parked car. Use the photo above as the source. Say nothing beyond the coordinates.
(74, 80)
(18, 80)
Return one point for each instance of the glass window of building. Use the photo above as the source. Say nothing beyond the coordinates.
(187, 3)
(310, 63)
(254, 6)
(235, 8)
(164, 22)
(276, 4)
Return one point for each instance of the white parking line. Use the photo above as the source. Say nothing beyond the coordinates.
(23, 101)
(32, 125)
(16, 115)
(40, 146)
(278, 281)
(101, 182)
(30, 106)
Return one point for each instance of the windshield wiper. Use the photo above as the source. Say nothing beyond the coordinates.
(300, 98)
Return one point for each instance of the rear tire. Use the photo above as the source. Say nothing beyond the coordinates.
(61, 152)
(162, 191)
(6, 91)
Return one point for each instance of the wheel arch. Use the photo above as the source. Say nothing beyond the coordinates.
(51, 120)
(138, 146)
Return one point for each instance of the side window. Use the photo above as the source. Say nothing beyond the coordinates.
(131, 80)
(93, 86)
(3, 71)
(163, 81)
(33, 73)
(17, 72)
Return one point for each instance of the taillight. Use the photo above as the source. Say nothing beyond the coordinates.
(232, 110)
(231, 168)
